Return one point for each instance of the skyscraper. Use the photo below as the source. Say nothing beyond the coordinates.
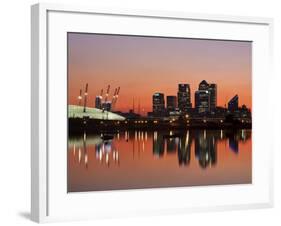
(233, 103)
(203, 85)
(184, 103)
(206, 97)
(213, 96)
(158, 103)
(171, 103)
(202, 101)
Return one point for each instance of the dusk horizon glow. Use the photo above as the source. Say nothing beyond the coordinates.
(144, 65)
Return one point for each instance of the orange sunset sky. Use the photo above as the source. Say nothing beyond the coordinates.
(142, 66)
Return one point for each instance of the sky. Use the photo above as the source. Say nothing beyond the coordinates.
(143, 65)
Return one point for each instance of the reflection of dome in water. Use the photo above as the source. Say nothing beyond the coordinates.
(107, 147)
(75, 111)
(90, 140)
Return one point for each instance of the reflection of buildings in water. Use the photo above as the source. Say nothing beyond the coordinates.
(98, 151)
(205, 148)
(74, 150)
(233, 140)
(79, 155)
(171, 144)
(104, 150)
(234, 137)
(158, 144)
(180, 144)
(205, 145)
(107, 147)
(244, 135)
(184, 149)
(85, 150)
(233, 143)
(138, 143)
(221, 134)
(127, 136)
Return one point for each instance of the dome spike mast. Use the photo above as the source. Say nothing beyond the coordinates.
(115, 97)
(85, 97)
(80, 98)
(105, 99)
(101, 93)
(107, 93)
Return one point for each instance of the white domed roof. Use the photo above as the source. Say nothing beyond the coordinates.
(75, 111)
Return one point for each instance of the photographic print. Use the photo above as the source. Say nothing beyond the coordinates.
(157, 112)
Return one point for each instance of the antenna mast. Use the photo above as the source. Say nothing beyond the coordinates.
(133, 105)
(139, 107)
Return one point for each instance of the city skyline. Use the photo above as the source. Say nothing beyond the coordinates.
(205, 101)
(85, 66)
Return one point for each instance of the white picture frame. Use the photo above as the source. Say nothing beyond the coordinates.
(49, 199)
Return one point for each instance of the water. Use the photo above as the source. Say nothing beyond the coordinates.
(156, 159)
